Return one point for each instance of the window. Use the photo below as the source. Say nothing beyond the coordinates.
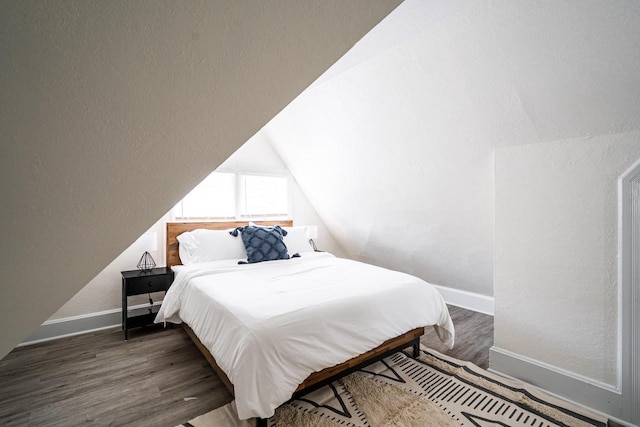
(264, 196)
(224, 195)
(215, 197)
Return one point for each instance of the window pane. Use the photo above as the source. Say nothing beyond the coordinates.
(212, 198)
(265, 196)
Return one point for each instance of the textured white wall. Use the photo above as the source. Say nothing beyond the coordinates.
(395, 149)
(556, 287)
(379, 147)
(113, 110)
(103, 292)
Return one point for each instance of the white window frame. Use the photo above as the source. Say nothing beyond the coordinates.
(241, 207)
(178, 213)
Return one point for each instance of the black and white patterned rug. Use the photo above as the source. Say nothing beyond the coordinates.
(434, 390)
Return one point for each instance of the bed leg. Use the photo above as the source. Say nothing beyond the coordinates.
(416, 348)
(261, 422)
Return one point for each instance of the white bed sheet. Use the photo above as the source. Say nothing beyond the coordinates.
(270, 325)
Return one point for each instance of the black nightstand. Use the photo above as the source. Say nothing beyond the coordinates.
(136, 282)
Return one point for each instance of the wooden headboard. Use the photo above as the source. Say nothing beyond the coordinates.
(174, 229)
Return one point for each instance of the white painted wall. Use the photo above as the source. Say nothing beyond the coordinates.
(103, 292)
(113, 110)
(556, 251)
(379, 148)
(395, 149)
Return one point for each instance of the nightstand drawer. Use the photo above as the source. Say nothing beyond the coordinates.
(147, 284)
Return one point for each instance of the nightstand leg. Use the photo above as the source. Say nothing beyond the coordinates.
(124, 311)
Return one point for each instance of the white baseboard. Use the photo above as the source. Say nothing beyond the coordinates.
(469, 300)
(567, 385)
(77, 325)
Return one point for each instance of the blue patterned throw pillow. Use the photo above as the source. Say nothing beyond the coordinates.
(263, 243)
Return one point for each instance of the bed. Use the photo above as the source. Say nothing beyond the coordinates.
(275, 330)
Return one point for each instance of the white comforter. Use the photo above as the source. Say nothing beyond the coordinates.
(269, 325)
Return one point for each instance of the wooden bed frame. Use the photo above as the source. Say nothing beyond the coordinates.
(316, 379)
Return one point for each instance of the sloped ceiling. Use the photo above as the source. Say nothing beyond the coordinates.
(113, 110)
(394, 145)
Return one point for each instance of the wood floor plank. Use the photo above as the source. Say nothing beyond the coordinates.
(474, 337)
(98, 379)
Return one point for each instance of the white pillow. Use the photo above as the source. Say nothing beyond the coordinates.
(297, 240)
(209, 245)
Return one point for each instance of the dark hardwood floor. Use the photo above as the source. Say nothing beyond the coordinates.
(98, 379)
(474, 337)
